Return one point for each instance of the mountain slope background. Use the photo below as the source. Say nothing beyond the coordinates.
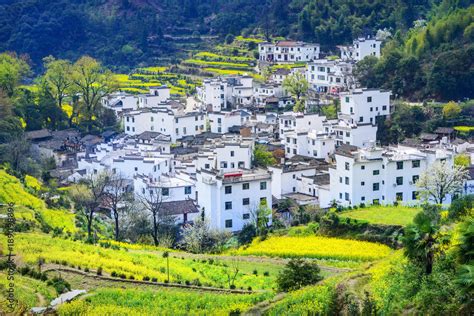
(128, 32)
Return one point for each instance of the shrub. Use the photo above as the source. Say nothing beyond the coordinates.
(154, 280)
(131, 277)
(123, 276)
(86, 269)
(232, 287)
(59, 284)
(255, 272)
(113, 274)
(266, 273)
(298, 273)
(187, 282)
(99, 271)
(246, 235)
(146, 278)
(249, 288)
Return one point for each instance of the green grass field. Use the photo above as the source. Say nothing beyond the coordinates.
(384, 215)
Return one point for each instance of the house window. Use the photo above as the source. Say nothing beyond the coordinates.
(346, 196)
(232, 153)
(362, 198)
(228, 223)
(228, 189)
(414, 195)
(245, 186)
(399, 180)
(263, 185)
(376, 201)
(399, 165)
(340, 179)
(384, 107)
(187, 190)
(415, 164)
(246, 216)
(219, 120)
(165, 191)
(347, 180)
(362, 183)
(347, 166)
(414, 179)
(362, 167)
(347, 99)
(376, 172)
(399, 196)
(245, 201)
(369, 99)
(228, 205)
(136, 168)
(207, 166)
(375, 186)
(361, 118)
(223, 164)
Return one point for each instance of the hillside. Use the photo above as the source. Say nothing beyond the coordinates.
(130, 33)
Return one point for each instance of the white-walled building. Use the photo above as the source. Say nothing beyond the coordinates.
(221, 122)
(175, 123)
(299, 123)
(177, 193)
(265, 91)
(330, 76)
(375, 175)
(121, 101)
(364, 105)
(361, 48)
(229, 189)
(288, 52)
(226, 92)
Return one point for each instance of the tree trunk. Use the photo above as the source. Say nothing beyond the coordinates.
(429, 262)
(116, 217)
(155, 229)
(90, 217)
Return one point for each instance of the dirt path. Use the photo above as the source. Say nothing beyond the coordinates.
(262, 307)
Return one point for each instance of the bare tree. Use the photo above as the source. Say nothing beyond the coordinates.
(116, 198)
(231, 271)
(88, 197)
(152, 199)
(441, 179)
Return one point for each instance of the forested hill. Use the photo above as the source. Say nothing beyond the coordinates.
(125, 33)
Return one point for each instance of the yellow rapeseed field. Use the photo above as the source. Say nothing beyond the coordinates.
(316, 247)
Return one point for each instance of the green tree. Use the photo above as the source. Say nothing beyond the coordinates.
(12, 71)
(93, 82)
(262, 157)
(451, 110)
(298, 273)
(297, 86)
(58, 77)
(423, 239)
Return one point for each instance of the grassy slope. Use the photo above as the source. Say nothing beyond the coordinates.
(385, 215)
(140, 263)
(26, 204)
(112, 301)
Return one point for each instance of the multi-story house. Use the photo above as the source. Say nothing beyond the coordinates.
(361, 48)
(287, 52)
(382, 175)
(330, 76)
(229, 190)
(226, 92)
(175, 123)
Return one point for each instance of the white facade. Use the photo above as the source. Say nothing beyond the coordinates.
(363, 106)
(220, 122)
(226, 92)
(120, 101)
(176, 124)
(330, 76)
(361, 48)
(380, 175)
(288, 52)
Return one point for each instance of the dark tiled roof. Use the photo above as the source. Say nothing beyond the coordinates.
(444, 130)
(38, 134)
(179, 207)
(427, 136)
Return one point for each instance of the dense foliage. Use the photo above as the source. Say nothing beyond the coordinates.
(126, 33)
(434, 59)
